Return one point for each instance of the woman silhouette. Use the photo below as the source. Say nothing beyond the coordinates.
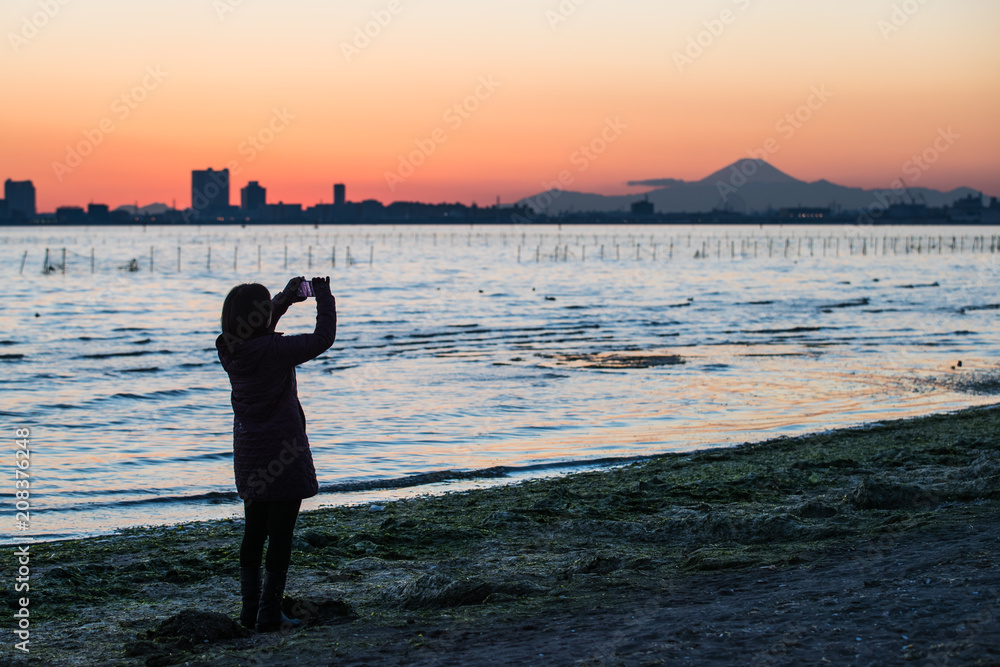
(271, 456)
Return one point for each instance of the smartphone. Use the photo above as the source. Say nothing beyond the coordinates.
(306, 288)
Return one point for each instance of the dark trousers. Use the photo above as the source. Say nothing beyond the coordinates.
(272, 521)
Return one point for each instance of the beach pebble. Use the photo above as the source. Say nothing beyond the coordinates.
(377, 508)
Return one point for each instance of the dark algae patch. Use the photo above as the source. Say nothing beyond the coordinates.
(874, 545)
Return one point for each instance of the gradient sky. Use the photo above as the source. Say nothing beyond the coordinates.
(235, 69)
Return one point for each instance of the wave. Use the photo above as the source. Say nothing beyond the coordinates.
(437, 477)
(111, 355)
(791, 331)
(153, 395)
(409, 481)
(970, 309)
(210, 496)
(853, 303)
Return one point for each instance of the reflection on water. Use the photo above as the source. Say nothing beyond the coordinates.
(452, 355)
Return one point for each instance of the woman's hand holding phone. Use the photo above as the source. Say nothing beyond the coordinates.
(321, 286)
(293, 290)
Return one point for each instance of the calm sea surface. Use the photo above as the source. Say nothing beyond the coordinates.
(462, 349)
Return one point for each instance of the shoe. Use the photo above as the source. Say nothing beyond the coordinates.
(250, 591)
(269, 615)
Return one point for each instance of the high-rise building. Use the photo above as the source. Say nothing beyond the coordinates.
(20, 196)
(339, 194)
(253, 197)
(98, 212)
(3, 210)
(210, 191)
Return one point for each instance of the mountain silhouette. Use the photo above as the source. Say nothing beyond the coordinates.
(746, 186)
(755, 171)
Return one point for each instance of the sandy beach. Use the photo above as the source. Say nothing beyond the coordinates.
(873, 545)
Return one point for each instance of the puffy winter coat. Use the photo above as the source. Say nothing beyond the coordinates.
(271, 456)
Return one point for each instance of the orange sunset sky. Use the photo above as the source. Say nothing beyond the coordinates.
(116, 101)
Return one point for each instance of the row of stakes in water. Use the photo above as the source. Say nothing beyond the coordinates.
(707, 248)
(133, 265)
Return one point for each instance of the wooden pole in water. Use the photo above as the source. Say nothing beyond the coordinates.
(286, 255)
(236, 258)
(64, 261)
(310, 257)
(518, 254)
(333, 257)
(24, 258)
(178, 259)
(371, 256)
(150, 259)
(209, 258)
(258, 258)
(45, 267)
(91, 261)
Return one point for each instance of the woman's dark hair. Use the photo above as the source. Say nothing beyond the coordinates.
(246, 313)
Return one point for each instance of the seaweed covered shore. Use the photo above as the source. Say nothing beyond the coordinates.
(874, 545)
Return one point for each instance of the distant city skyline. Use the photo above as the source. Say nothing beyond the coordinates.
(751, 187)
(441, 100)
